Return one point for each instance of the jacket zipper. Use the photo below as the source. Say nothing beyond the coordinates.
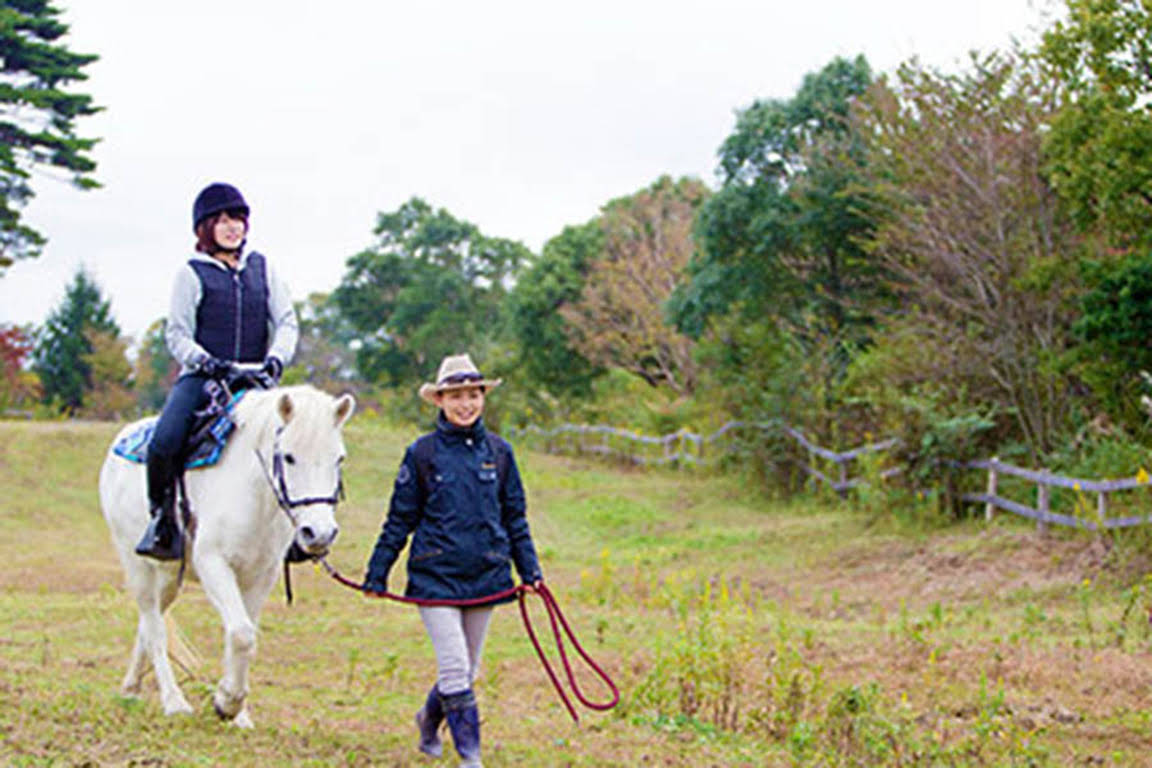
(238, 290)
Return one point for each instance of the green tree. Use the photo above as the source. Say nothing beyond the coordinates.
(557, 278)
(780, 237)
(1098, 149)
(37, 116)
(432, 285)
(1098, 153)
(1113, 330)
(779, 244)
(64, 342)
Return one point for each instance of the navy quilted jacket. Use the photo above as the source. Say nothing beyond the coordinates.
(466, 526)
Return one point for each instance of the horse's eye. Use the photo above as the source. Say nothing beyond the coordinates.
(289, 458)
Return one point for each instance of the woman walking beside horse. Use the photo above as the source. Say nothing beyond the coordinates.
(227, 306)
(458, 491)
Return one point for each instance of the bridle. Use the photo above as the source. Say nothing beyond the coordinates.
(277, 480)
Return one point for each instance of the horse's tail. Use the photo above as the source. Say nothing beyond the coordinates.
(180, 649)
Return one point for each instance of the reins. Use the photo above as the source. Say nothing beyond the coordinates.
(555, 618)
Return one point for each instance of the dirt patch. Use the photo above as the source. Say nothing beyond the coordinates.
(963, 567)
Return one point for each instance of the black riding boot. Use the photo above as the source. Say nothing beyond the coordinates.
(163, 539)
(464, 722)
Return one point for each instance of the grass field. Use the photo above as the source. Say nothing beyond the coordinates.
(741, 631)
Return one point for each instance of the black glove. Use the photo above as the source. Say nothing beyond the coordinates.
(376, 583)
(376, 579)
(215, 368)
(273, 369)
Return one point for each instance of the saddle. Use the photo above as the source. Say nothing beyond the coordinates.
(211, 427)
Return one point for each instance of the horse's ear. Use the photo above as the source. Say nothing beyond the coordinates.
(345, 407)
(285, 408)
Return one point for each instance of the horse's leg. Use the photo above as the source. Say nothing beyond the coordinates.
(254, 598)
(154, 588)
(219, 582)
(137, 665)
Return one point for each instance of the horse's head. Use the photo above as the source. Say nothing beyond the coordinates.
(307, 454)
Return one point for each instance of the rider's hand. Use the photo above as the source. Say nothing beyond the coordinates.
(215, 368)
(249, 378)
(273, 368)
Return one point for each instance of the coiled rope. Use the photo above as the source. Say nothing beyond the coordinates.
(555, 619)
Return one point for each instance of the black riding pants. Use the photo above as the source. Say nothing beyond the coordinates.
(166, 451)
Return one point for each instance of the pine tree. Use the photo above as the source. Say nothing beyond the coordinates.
(36, 116)
(63, 346)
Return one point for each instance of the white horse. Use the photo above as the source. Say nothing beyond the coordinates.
(276, 481)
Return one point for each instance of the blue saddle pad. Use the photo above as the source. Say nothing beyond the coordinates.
(134, 445)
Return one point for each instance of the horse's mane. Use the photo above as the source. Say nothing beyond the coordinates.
(256, 413)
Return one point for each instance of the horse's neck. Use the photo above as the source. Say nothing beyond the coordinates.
(252, 446)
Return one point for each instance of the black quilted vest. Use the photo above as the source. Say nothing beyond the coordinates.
(232, 319)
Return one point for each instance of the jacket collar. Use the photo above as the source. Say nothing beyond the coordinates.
(206, 259)
(453, 433)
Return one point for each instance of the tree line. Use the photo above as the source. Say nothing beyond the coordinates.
(960, 259)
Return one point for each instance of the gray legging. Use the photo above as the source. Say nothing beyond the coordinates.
(457, 636)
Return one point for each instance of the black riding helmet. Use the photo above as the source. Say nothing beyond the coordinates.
(215, 198)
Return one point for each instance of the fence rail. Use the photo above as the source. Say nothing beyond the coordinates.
(685, 449)
(1045, 481)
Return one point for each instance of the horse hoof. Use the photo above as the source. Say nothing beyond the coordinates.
(178, 707)
(242, 720)
(227, 707)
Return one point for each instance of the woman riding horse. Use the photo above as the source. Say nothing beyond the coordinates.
(228, 306)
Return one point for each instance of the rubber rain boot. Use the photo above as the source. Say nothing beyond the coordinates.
(428, 720)
(464, 722)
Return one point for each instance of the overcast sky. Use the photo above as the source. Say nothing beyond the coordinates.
(520, 117)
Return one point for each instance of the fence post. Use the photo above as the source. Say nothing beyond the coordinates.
(1042, 493)
(990, 505)
(1101, 510)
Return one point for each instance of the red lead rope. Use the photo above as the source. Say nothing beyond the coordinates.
(555, 618)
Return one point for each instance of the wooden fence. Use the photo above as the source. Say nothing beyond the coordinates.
(684, 448)
(1092, 516)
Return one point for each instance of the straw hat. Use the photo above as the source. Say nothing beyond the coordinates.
(456, 372)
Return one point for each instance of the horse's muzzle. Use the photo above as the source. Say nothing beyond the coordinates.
(316, 541)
